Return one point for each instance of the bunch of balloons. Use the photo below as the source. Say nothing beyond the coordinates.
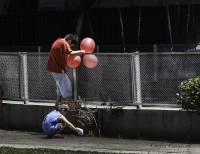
(89, 59)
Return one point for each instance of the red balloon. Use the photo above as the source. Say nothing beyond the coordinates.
(88, 45)
(73, 61)
(90, 60)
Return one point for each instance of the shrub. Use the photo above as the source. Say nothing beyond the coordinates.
(189, 96)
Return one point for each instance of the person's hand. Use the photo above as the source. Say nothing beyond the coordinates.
(79, 131)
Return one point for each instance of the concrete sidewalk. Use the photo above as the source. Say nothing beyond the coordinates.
(100, 144)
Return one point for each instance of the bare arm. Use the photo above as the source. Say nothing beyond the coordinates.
(69, 124)
(77, 52)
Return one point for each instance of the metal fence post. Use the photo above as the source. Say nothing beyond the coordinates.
(39, 62)
(137, 77)
(25, 77)
(134, 90)
(98, 49)
(75, 84)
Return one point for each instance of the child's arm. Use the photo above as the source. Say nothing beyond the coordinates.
(69, 124)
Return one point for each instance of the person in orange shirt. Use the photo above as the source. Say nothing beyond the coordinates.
(57, 63)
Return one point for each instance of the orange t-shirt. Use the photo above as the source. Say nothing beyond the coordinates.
(58, 54)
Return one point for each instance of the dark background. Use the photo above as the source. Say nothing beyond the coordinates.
(40, 22)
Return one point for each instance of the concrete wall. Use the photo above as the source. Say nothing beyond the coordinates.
(128, 123)
(151, 124)
(23, 117)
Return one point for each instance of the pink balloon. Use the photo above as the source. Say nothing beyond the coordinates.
(73, 61)
(88, 45)
(90, 60)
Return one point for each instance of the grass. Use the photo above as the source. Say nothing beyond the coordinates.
(9, 150)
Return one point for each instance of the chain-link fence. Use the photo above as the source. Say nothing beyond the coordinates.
(161, 74)
(10, 75)
(147, 78)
